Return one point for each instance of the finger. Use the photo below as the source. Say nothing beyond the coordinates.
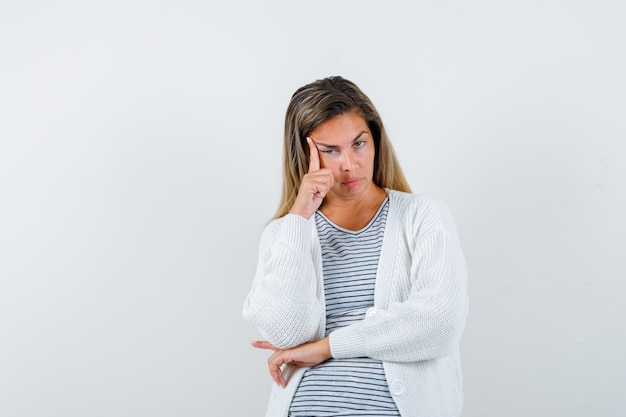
(262, 344)
(321, 182)
(320, 190)
(314, 156)
(274, 363)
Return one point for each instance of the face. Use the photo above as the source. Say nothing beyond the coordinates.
(347, 148)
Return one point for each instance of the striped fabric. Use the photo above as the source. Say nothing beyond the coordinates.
(356, 386)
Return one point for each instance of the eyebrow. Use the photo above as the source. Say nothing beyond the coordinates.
(337, 146)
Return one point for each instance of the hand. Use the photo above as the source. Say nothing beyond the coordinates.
(307, 354)
(315, 185)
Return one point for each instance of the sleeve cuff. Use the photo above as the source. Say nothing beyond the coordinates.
(347, 342)
(296, 231)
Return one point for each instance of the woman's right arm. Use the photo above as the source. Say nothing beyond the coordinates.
(284, 301)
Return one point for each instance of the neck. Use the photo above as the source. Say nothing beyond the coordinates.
(354, 213)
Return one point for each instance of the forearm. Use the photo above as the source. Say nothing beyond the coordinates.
(402, 333)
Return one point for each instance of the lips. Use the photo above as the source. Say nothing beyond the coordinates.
(352, 182)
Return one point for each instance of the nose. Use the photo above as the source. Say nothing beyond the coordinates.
(347, 163)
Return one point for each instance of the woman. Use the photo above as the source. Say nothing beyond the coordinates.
(360, 289)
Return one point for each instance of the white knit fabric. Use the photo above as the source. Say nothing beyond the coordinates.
(420, 305)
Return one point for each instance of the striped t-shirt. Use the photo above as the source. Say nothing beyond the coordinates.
(356, 386)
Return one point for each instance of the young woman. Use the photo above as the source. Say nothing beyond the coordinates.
(361, 286)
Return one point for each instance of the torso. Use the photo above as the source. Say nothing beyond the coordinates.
(356, 386)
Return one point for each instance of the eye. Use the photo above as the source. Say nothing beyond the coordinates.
(359, 143)
(329, 151)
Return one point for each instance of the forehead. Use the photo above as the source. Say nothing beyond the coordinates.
(340, 129)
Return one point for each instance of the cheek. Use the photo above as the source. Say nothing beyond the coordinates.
(328, 163)
(367, 161)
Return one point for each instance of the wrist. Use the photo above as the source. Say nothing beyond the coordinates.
(325, 347)
(301, 212)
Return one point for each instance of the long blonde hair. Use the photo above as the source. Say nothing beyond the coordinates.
(311, 106)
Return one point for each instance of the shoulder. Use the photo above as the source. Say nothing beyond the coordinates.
(416, 202)
(425, 210)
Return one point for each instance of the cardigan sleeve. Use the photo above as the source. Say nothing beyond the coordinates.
(428, 321)
(283, 302)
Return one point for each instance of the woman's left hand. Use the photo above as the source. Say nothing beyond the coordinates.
(307, 354)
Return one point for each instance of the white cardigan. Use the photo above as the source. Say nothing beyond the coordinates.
(419, 312)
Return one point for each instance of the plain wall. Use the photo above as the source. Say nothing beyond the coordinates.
(140, 152)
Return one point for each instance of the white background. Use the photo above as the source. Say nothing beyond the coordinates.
(140, 147)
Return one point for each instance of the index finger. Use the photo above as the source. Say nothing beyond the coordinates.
(314, 156)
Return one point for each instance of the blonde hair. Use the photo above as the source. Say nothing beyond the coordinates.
(316, 103)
